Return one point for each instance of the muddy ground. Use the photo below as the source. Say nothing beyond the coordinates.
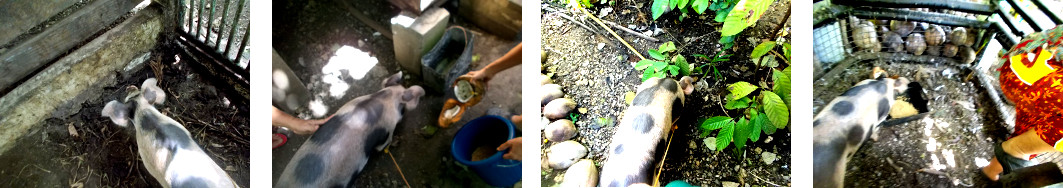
(596, 70)
(307, 33)
(945, 149)
(102, 154)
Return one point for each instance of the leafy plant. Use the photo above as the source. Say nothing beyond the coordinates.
(659, 7)
(762, 113)
(662, 63)
(712, 63)
(737, 16)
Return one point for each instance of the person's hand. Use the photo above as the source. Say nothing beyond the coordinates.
(515, 149)
(306, 127)
(478, 76)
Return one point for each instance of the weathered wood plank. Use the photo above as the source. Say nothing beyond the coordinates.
(22, 60)
(499, 17)
(19, 16)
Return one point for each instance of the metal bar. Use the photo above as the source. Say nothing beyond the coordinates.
(971, 7)
(929, 17)
(1051, 14)
(188, 13)
(222, 60)
(200, 17)
(224, 14)
(1025, 16)
(232, 29)
(210, 20)
(1006, 39)
(1009, 21)
(824, 16)
(243, 44)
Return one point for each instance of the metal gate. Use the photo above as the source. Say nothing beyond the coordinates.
(220, 24)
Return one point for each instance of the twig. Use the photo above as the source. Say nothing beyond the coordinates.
(783, 23)
(765, 181)
(611, 32)
(640, 35)
(573, 20)
(660, 166)
(780, 57)
(397, 167)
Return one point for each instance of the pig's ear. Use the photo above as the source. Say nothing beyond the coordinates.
(393, 80)
(412, 96)
(118, 112)
(901, 85)
(152, 92)
(687, 83)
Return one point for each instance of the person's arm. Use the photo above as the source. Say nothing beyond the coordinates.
(299, 126)
(510, 60)
(514, 145)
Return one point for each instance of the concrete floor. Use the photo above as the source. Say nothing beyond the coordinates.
(425, 159)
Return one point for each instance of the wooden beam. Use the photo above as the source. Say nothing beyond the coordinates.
(24, 59)
(21, 16)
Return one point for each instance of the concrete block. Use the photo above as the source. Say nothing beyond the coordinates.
(289, 93)
(498, 17)
(64, 81)
(414, 37)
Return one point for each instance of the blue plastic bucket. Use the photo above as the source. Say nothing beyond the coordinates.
(489, 131)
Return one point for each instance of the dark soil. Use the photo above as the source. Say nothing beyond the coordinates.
(597, 79)
(308, 33)
(955, 139)
(105, 155)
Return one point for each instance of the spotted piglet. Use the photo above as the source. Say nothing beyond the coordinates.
(848, 120)
(335, 154)
(645, 123)
(165, 146)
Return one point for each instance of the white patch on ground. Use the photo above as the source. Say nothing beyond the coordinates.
(980, 162)
(318, 108)
(346, 59)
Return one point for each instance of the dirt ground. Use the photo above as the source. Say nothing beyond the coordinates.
(105, 155)
(596, 71)
(945, 149)
(307, 33)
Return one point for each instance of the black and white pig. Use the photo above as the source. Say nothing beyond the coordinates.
(645, 124)
(335, 154)
(848, 120)
(165, 146)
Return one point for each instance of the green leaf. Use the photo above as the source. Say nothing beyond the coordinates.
(786, 50)
(768, 61)
(700, 5)
(647, 74)
(659, 7)
(756, 123)
(667, 47)
(776, 109)
(740, 89)
(762, 49)
(702, 56)
(739, 103)
(681, 62)
(742, 131)
(643, 64)
(765, 124)
(721, 16)
(717, 122)
(744, 14)
(659, 65)
(656, 54)
(781, 86)
(672, 69)
(724, 137)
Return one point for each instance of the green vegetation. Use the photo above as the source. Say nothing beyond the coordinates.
(663, 63)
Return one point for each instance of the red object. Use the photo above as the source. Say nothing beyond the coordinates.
(1038, 103)
(279, 137)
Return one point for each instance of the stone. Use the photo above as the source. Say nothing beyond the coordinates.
(581, 174)
(564, 154)
(560, 130)
(558, 108)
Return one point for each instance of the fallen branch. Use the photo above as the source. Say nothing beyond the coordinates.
(765, 181)
(787, 61)
(573, 20)
(611, 32)
(640, 35)
(660, 166)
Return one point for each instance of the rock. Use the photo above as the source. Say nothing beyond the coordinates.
(564, 154)
(543, 80)
(933, 50)
(915, 44)
(601, 45)
(902, 27)
(958, 36)
(558, 108)
(935, 36)
(701, 85)
(550, 92)
(581, 174)
(893, 42)
(729, 184)
(710, 142)
(967, 55)
(865, 37)
(560, 130)
(543, 121)
(949, 50)
(768, 157)
(972, 35)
